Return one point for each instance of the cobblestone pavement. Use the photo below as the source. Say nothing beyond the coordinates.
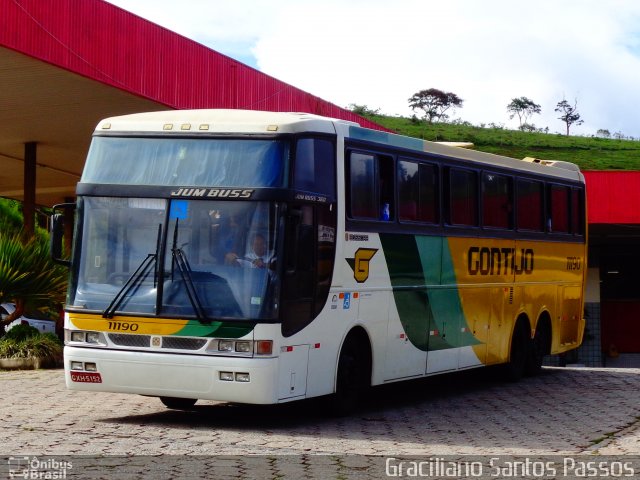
(563, 411)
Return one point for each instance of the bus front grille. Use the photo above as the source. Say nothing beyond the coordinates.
(144, 341)
(181, 343)
(126, 340)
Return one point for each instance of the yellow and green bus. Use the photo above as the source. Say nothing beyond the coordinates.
(261, 257)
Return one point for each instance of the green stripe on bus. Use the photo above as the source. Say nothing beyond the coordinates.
(431, 314)
(216, 329)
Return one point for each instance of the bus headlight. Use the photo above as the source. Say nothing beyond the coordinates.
(243, 347)
(77, 336)
(225, 345)
(93, 337)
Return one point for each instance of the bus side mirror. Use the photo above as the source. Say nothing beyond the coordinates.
(56, 231)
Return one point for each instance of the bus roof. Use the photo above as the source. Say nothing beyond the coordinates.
(219, 121)
(212, 121)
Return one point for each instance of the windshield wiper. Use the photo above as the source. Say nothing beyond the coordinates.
(131, 282)
(135, 279)
(180, 259)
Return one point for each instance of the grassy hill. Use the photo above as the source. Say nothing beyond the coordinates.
(589, 153)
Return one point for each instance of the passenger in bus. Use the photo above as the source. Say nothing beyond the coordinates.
(258, 257)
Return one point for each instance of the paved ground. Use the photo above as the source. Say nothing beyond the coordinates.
(579, 411)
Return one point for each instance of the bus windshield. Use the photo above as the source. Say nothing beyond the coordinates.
(187, 161)
(177, 258)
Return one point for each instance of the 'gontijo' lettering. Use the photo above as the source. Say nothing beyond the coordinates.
(500, 261)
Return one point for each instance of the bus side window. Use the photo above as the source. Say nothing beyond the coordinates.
(529, 207)
(559, 209)
(386, 187)
(577, 211)
(314, 169)
(362, 186)
(371, 186)
(417, 192)
(497, 201)
(463, 197)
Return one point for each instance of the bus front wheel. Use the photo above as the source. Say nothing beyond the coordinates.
(353, 376)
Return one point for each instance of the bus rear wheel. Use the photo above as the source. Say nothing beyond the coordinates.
(539, 347)
(519, 355)
(178, 403)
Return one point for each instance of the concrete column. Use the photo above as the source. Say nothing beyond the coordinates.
(29, 201)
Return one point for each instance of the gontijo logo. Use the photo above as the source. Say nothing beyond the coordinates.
(360, 263)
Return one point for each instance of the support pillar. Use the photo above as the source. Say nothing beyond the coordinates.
(29, 200)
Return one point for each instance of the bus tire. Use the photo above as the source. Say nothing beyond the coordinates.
(515, 368)
(540, 346)
(353, 376)
(177, 403)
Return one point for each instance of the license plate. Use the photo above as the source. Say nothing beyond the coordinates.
(84, 377)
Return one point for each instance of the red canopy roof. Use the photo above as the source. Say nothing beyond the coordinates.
(613, 196)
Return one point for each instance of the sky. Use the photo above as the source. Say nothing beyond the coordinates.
(378, 53)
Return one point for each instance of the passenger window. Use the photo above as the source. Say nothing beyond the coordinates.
(417, 192)
(529, 207)
(559, 209)
(577, 212)
(496, 201)
(463, 197)
(363, 186)
(371, 186)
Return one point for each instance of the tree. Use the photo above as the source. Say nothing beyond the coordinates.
(434, 103)
(603, 132)
(363, 110)
(523, 107)
(570, 115)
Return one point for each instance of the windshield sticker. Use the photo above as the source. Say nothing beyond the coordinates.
(326, 234)
(179, 209)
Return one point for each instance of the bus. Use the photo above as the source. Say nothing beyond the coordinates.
(260, 257)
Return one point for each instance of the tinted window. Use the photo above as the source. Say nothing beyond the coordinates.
(577, 209)
(496, 201)
(559, 209)
(363, 186)
(371, 186)
(463, 207)
(530, 206)
(418, 192)
(314, 168)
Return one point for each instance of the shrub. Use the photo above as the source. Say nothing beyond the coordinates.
(44, 346)
(21, 332)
